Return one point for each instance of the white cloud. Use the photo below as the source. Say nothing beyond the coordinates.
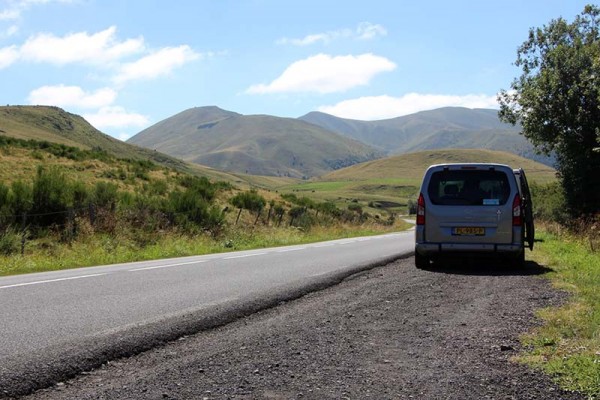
(9, 14)
(326, 74)
(15, 8)
(72, 96)
(159, 63)
(10, 31)
(326, 38)
(367, 30)
(116, 117)
(382, 107)
(8, 55)
(364, 31)
(98, 48)
(103, 50)
(104, 114)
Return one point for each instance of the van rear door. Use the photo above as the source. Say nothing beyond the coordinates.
(527, 209)
(470, 204)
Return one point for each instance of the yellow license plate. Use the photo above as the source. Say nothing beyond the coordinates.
(468, 231)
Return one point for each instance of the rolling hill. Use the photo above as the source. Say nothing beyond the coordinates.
(412, 166)
(253, 144)
(449, 127)
(52, 124)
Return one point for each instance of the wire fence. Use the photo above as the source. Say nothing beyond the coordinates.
(23, 222)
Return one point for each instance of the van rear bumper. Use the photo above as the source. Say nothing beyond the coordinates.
(430, 249)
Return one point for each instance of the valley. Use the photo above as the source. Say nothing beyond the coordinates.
(142, 211)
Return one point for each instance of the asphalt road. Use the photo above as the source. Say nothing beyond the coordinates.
(393, 332)
(57, 324)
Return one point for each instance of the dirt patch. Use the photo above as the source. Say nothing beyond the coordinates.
(394, 332)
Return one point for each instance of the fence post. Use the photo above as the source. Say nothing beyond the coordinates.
(92, 212)
(72, 228)
(23, 225)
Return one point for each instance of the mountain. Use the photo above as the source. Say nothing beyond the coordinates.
(52, 124)
(253, 144)
(412, 166)
(448, 127)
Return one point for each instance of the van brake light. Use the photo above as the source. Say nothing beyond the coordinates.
(421, 210)
(517, 214)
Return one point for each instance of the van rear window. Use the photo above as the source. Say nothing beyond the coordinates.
(469, 187)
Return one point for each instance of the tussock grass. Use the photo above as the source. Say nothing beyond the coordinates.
(567, 346)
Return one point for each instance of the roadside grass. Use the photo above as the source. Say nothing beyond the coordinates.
(567, 345)
(393, 192)
(51, 255)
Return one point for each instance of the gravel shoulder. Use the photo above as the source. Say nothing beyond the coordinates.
(393, 332)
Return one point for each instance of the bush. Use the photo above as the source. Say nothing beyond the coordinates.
(250, 201)
(105, 195)
(412, 207)
(52, 196)
(188, 207)
(10, 242)
(201, 186)
(156, 187)
(22, 198)
(549, 203)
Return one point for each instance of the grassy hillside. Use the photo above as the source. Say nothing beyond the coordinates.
(449, 127)
(389, 183)
(253, 144)
(55, 125)
(73, 207)
(411, 167)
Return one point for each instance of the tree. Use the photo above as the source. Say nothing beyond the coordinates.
(557, 101)
(250, 201)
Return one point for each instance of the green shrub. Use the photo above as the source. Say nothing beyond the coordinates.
(21, 198)
(105, 195)
(412, 207)
(201, 186)
(10, 242)
(296, 214)
(549, 202)
(157, 187)
(52, 197)
(4, 195)
(81, 195)
(251, 201)
(190, 207)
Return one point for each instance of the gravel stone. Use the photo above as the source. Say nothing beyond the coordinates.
(394, 332)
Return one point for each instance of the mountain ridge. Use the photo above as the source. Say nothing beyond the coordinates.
(446, 127)
(253, 144)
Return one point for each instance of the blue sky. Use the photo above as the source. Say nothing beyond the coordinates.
(125, 65)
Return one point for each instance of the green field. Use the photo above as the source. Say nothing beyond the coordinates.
(391, 182)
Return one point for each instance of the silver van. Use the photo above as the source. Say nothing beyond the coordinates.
(473, 210)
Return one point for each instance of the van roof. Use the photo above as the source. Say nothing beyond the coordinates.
(483, 166)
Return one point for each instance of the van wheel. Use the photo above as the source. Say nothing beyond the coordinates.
(421, 262)
(519, 260)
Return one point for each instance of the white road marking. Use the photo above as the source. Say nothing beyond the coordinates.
(244, 256)
(51, 281)
(168, 265)
(323, 245)
(286, 250)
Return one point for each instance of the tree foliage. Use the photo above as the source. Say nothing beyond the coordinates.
(251, 201)
(557, 101)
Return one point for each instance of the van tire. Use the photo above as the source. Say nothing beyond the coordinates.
(519, 260)
(421, 262)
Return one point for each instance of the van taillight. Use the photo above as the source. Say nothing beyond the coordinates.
(517, 214)
(421, 210)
